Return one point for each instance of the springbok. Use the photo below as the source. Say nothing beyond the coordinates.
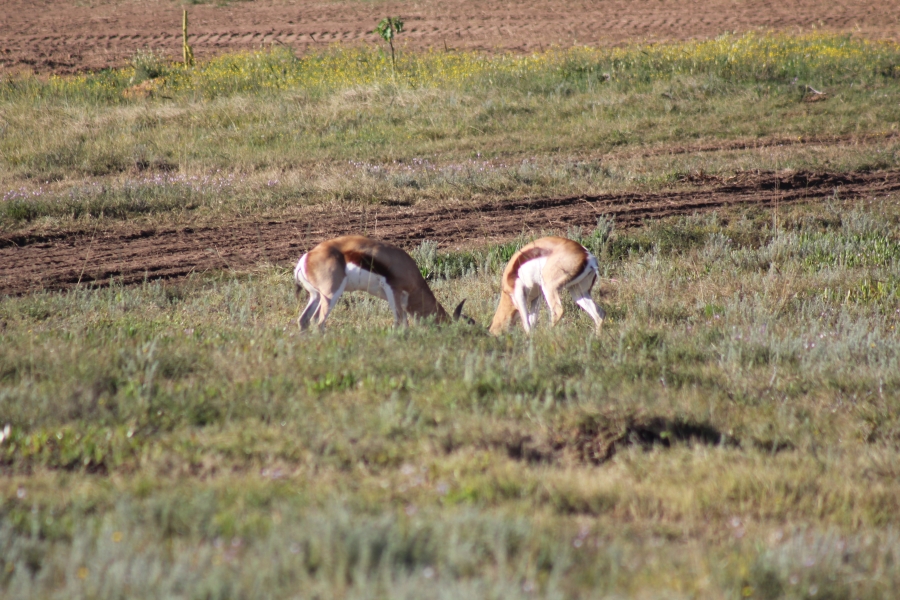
(355, 263)
(547, 265)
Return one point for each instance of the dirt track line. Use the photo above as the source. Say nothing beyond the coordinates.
(28, 264)
(764, 143)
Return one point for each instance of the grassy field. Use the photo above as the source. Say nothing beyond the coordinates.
(268, 133)
(733, 432)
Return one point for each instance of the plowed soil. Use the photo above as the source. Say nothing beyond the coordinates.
(64, 261)
(64, 36)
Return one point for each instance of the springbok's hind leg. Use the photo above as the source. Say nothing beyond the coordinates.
(308, 312)
(327, 304)
(554, 302)
(520, 301)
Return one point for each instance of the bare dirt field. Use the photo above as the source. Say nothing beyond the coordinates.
(64, 36)
(53, 263)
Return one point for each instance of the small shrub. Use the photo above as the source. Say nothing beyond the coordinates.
(147, 64)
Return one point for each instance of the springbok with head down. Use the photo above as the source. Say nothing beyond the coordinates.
(547, 265)
(355, 263)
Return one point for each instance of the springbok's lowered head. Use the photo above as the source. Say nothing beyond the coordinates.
(355, 263)
(547, 265)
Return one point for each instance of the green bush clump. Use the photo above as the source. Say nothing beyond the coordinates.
(70, 447)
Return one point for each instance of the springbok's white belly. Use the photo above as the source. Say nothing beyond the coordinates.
(361, 280)
(531, 276)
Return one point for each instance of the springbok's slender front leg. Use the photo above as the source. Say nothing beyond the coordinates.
(533, 308)
(587, 304)
(581, 294)
(400, 319)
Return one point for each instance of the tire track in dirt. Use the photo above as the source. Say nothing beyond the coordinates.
(764, 143)
(59, 262)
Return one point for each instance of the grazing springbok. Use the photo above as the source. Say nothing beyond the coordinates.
(354, 263)
(547, 265)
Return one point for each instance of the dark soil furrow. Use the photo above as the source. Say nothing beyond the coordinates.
(764, 143)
